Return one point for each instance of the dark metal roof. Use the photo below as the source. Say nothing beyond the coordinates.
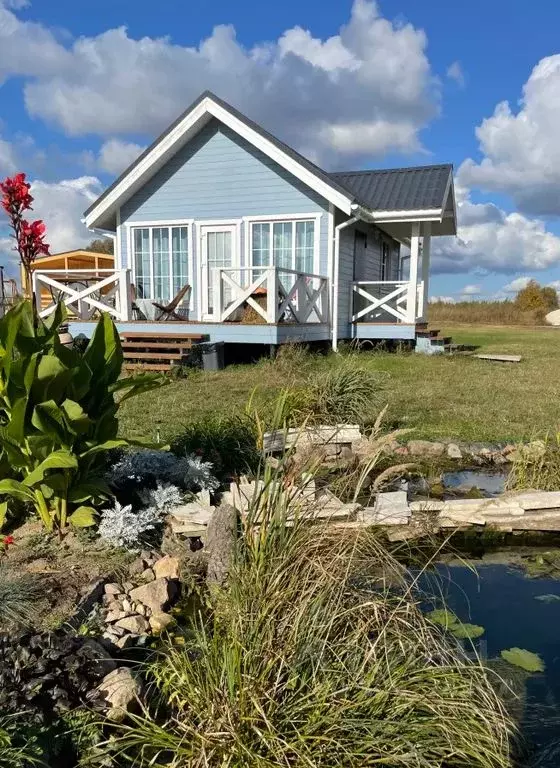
(303, 161)
(398, 189)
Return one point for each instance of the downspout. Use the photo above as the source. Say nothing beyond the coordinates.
(336, 263)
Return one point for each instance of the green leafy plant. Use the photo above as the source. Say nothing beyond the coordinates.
(527, 660)
(14, 753)
(58, 415)
(345, 393)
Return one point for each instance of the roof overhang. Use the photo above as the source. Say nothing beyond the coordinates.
(102, 214)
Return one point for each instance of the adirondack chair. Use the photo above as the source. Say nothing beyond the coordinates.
(172, 311)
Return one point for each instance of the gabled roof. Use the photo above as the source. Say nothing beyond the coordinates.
(416, 190)
(398, 189)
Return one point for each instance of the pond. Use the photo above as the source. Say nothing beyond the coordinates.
(488, 482)
(515, 611)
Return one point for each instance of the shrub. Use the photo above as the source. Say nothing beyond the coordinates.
(316, 655)
(228, 443)
(346, 393)
(58, 413)
(14, 751)
(124, 527)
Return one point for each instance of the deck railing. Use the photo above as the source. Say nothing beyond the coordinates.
(386, 301)
(84, 291)
(276, 294)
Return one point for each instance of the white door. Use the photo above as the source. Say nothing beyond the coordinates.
(218, 249)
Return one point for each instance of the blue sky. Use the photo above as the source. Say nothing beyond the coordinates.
(399, 82)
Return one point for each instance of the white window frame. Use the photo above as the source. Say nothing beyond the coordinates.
(131, 225)
(283, 218)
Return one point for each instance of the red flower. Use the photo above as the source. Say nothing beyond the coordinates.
(8, 541)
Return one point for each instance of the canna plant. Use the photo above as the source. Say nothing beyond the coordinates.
(58, 415)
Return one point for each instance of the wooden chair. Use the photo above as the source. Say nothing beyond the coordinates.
(135, 310)
(172, 311)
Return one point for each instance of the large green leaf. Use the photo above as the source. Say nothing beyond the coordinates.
(16, 489)
(57, 460)
(103, 354)
(92, 489)
(138, 384)
(76, 418)
(108, 445)
(50, 419)
(3, 513)
(9, 329)
(83, 517)
(12, 449)
(16, 425)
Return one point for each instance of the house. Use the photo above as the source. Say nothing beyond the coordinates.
(274, 248)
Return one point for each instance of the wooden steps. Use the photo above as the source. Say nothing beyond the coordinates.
(157, 351)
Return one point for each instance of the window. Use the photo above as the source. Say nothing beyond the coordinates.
(288, 244)
(161, 261)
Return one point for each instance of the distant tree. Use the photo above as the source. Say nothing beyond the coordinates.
(536, 298)
(101, 245)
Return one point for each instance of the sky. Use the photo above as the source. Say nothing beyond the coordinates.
(85, 86)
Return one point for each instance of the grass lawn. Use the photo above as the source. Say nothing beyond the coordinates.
(456, 397)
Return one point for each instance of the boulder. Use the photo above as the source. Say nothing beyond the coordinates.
(120, 690)
(553, 318)
(425, 448)
(112, 589)
(167, 568)
(154, 595)
(136, 625)
(147, 575)
(453, 451)
(115, 615)
(160, 621)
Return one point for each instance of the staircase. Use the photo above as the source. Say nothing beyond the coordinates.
(429, 342)
(157, 351)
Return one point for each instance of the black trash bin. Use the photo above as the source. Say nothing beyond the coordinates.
(212, 355)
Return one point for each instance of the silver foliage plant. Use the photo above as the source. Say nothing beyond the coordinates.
(123, 527)
(188, 472)
(127, 526)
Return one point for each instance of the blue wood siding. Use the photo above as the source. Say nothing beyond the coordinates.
(231, 333)
(219, 175)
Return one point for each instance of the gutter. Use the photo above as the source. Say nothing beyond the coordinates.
(336, 260)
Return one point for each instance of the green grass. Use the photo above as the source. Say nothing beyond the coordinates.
(455, 397)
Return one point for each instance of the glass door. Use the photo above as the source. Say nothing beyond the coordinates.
(218, 249)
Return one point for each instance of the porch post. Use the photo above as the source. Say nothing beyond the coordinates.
(272, 288)
(426, 245)
(413, 275)
(124, 295)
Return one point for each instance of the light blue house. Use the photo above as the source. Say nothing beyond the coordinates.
(274, 248)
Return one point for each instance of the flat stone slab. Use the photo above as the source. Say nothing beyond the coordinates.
(193, 512)
(390, 506)
(340, 434)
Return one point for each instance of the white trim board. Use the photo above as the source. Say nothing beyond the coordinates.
(188, 127)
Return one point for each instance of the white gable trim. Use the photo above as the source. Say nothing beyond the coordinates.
(183, 132)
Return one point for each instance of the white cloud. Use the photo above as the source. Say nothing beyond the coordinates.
(521, 148)
(471, 290)
(517, 285)
(488, 238)
(61, 205)
(367, 90)
(455, 72)
(554, 284)
(115, 155)
(442, 299)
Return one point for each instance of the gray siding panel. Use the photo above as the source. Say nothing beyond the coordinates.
(218, 175)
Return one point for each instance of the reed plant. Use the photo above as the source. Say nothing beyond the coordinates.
(316, 654)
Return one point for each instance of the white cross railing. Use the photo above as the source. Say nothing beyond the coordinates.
(277, 294)
(382, 300)
(84, 292)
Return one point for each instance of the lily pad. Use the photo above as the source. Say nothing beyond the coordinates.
(548, 598)
(444, 618)
(527, 660)
(467, 631)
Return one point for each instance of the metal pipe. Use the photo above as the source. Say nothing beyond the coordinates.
(337, 231)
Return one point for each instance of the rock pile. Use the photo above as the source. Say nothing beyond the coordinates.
(134, 611)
